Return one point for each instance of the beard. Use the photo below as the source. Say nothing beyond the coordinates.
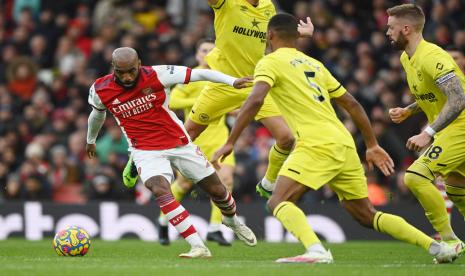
(401, 42)
(127, 86)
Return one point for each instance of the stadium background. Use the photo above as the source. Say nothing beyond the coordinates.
(52, 51)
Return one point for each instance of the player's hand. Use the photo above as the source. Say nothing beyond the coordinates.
(305, 28)
(91, 150)
(418, 142)
(221, 154)
(399, 114)
(378, 157)
(243, 82)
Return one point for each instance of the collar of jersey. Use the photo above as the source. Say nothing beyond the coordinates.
(418, 50)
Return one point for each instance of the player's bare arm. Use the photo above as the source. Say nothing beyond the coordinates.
(454, 105)
(400, 114)
(95, 123)
(246, 115)
(375, 155)
(215, 76)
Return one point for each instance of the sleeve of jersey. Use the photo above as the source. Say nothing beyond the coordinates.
(264, 72)
(335, 89)
(94, 99)
(219, 5)
(440, 67)
(170, 75)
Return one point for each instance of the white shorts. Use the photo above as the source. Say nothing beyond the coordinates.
(188, 160)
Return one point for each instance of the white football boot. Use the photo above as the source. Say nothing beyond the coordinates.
(447, 253)
(196, 252)
(313, 257)
(242, 232)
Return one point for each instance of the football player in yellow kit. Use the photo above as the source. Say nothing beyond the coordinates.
(240, 29)
(325, 151)
(437, 84)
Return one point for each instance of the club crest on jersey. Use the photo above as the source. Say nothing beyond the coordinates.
(147, 90)
(268, 13)
(419, 75)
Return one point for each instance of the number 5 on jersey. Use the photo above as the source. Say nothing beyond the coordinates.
(319, 96)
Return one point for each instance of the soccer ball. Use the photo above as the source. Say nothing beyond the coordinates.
(72, 241)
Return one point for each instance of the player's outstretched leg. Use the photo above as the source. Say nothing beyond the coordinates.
(214, 228)
(278, 153)
(418, 179)
(363, 211)
(177, 216)
(294, 220)
(225, 202)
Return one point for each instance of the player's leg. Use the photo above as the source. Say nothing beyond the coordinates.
(214, 228)
(156, 173)
(444, 156)
(455, 189)
(282, 205)
(363, 211)
(351, 188)
(179, 188)
(194, 129)
(194, 165)
(307, 167)
(270, 117)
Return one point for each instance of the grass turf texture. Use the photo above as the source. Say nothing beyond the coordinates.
(134, 257)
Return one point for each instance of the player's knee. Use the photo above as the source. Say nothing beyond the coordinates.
(411, 180)
(158, 186)
(362, 211)
(285, 141)
(274, 201)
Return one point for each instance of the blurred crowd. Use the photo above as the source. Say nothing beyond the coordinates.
(52, 51)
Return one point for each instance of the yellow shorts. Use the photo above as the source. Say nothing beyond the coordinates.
(334, 164)
(212, 138)
(216, 100)
(445, 155)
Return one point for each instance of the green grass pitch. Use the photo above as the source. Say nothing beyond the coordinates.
(134, 257)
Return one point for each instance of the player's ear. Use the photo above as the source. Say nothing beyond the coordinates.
(270, 35)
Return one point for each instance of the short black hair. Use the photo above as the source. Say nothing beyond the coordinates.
(204, 40)
(285, 26)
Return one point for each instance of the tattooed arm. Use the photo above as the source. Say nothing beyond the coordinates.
(399, 114)
(414, 108)
(455, 103)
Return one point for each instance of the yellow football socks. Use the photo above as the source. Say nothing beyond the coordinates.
(432, 201)
(215, 217)
(398, 228)
(276, 158)
(457, 196)
(295, 221)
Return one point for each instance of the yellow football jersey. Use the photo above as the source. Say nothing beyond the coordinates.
(240, 30)
(302, 87)
(428, 65)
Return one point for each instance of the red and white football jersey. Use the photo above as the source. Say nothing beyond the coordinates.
(142, 112)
